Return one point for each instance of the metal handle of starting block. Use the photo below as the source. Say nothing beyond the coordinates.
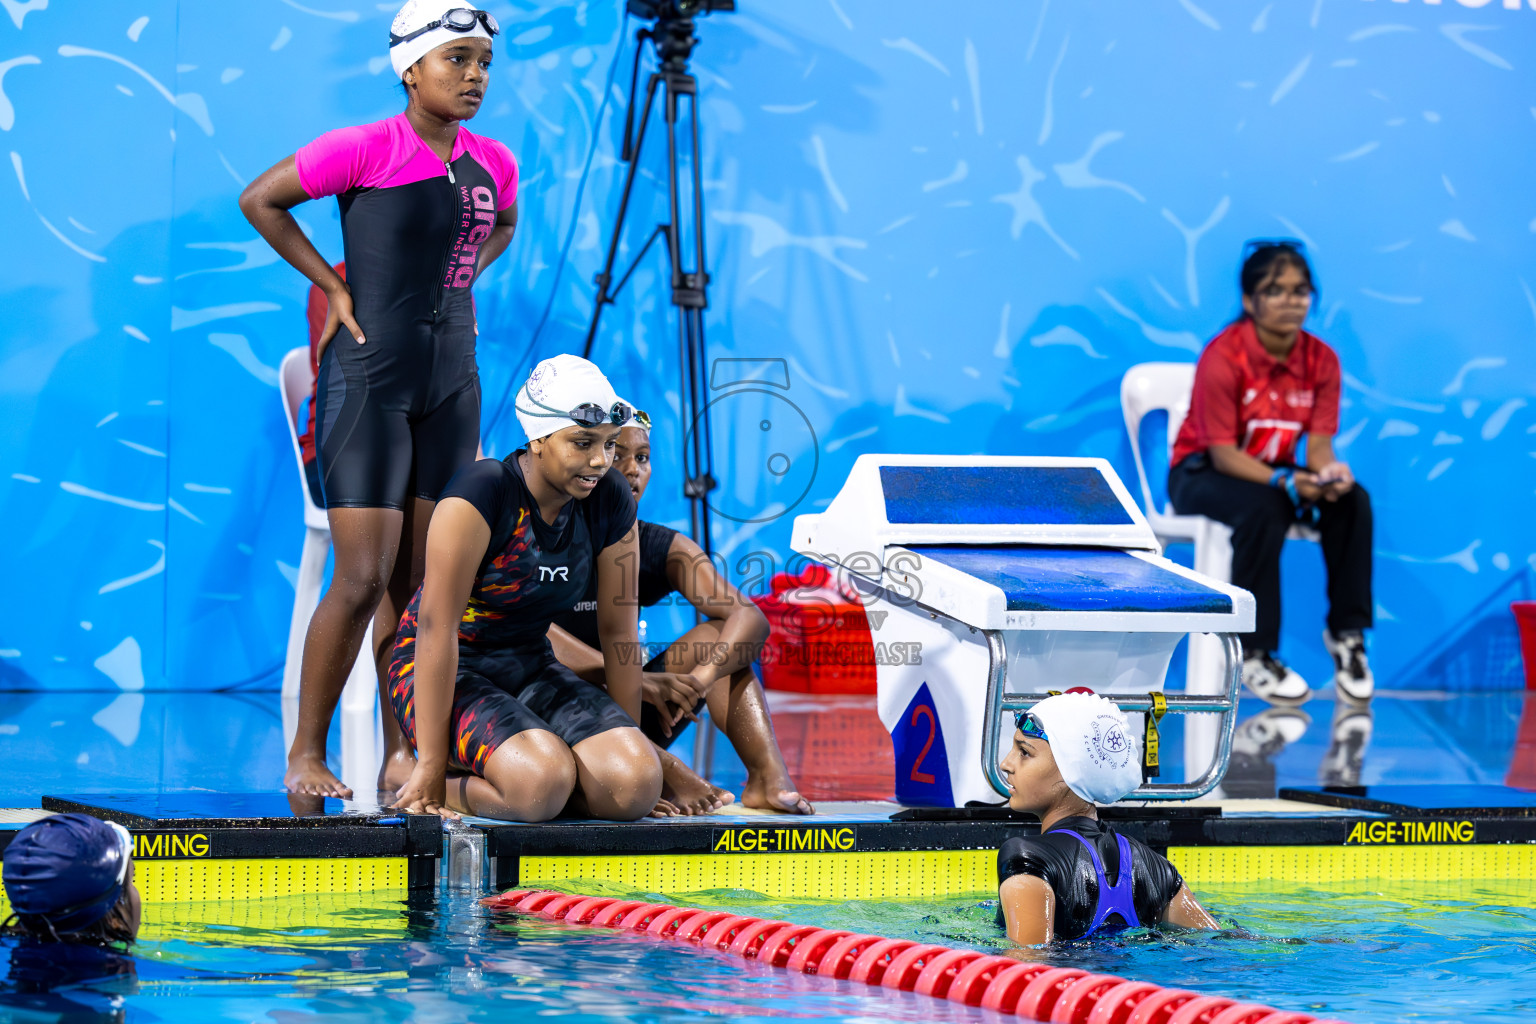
(999, 702)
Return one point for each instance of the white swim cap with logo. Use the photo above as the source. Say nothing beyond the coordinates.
(556, 386)
(414, 15)
(1092, 743)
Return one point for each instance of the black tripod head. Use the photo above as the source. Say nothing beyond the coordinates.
(673, 34)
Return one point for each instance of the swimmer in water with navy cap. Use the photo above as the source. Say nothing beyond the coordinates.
(69, 878)
(1079, 877)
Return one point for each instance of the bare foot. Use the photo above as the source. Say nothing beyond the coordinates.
(308, 774)
(396, 769)
(774, 794)
(684, 793)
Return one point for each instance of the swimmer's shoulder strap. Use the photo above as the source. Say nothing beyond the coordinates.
(1113, 899)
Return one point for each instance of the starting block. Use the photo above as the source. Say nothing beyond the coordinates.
(1008, 577)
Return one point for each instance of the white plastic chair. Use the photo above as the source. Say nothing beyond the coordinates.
(1166, 387)
(362, 740)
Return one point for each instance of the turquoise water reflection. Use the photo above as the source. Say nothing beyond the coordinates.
(1458, 953)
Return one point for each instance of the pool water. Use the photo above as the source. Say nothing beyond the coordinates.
(1449, 953)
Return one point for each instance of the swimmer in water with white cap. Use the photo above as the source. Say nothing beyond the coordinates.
(1079, 877)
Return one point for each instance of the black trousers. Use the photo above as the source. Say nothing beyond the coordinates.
(1259, 516)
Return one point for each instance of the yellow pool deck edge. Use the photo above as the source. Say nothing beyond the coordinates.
(840, 875)
(917, 874)
(230, 879)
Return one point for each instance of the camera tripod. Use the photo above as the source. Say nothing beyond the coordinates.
(674, 40)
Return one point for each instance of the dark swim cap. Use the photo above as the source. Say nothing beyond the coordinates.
(68, 869)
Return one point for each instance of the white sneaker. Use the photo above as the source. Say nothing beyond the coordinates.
(1270, 678)
(1351, 669)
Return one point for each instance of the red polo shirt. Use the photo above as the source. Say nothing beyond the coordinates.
(1246, 397)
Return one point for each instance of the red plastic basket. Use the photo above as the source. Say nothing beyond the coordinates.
(818, 638)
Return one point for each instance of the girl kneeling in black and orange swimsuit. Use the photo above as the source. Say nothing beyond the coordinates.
(502, 729)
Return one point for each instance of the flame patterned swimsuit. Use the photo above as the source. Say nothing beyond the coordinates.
(1083, 861)
(509, 680)
(397, 416)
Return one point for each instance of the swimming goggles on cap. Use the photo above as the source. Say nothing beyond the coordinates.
(1029, 725)
(588, 414)
(643, 420)
(460, 19)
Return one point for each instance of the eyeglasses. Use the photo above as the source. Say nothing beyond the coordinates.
(588, 414)
(1253, 245)
(460, 19)
(1029, 725)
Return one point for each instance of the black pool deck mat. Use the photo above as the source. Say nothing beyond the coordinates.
(233, 846)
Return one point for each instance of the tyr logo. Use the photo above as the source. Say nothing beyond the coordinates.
(561, 573)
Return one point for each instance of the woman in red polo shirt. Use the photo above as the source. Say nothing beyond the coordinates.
(1260, 385)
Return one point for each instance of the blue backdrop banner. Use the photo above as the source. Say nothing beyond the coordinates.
(931, 228)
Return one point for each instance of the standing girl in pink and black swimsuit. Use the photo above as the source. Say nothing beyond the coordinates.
(425, 207)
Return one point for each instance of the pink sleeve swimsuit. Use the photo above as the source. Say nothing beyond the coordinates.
(397, 416)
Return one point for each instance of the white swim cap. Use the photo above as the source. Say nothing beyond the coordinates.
(1092, 742)
(558, 387)
(419, 13)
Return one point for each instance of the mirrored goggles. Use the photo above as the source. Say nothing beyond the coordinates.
(588, 414)
(1030, 726)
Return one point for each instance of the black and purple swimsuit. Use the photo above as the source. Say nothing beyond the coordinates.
(398, 416)
(1103, 881)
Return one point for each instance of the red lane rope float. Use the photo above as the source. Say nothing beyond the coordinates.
(870, 967)
(583, 912)
(974, 977)
(940, 972)
(1009, 984)
(1053, 995)
(778, 947)
(611, 915)
(555, 909)
(750, 939)
(1242, 1013)
(1077, 1000)
(1115, 1006)
(694, 927)
(907, 966)
(838, 961)
(723, 932)
(810, 951)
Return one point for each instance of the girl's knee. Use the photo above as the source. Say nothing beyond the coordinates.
(623, 774)
(534, 773)
(358, 592)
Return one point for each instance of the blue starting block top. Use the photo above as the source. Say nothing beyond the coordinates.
(1079, 580)
(1001, 495)
(1013, 542)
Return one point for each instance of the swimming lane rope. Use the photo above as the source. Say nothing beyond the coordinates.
(1057, 995)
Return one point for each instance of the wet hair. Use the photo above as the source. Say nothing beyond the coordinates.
(109, 931)
(1267, 260)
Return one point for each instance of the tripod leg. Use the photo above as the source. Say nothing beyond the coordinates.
(706, 447)
(690, 296)
(603, 279)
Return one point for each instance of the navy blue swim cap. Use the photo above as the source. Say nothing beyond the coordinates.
(68, 869)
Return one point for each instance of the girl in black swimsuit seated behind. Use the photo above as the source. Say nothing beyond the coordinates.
(1079, 877)
(501, 728)
(711, 662)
